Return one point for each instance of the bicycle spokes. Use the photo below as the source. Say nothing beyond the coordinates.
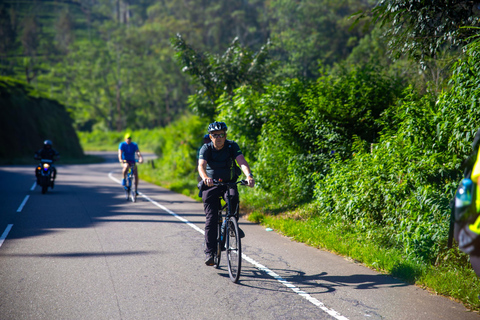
(234, 250)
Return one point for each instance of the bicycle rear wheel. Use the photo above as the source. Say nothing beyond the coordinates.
(234, 249)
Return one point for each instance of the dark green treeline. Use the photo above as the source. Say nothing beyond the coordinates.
(28, 119)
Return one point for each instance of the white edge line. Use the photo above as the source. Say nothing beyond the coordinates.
(289, 285)
(257, 265)
(23, 203)
(34, 185)
(5, 233)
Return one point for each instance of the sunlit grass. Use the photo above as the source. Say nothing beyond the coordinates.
(453, 279)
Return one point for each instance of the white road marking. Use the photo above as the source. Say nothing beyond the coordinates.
(110, 175)
(23, 204)
(5, 233)
(289, 285)
(259, 266)
(34, 185)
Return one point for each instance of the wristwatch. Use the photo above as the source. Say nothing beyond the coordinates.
(250, 175)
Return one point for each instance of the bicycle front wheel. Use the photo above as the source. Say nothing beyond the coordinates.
(234, 250)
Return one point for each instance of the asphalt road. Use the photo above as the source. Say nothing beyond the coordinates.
(82, 251)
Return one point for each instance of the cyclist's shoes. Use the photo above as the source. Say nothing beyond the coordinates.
(223, 246)
(241, 233)
(123, 182)
(209, 261)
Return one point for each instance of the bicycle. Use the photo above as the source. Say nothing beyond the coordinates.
(228, 238)
(130, 185)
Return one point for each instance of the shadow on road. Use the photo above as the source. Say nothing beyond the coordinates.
(76, 204)
(80, 254)
(320, 283)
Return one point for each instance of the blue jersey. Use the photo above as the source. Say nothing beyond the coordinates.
(128, 150)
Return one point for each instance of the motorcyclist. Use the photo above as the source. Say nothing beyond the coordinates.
(48, 153)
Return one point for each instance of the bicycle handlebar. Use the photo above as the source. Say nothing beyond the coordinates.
(125, 161)
(219, 183)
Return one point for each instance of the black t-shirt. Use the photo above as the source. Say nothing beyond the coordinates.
(220, 162)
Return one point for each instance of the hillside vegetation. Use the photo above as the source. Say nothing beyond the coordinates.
(28, 119)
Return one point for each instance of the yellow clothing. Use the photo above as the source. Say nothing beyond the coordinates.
(475, 176)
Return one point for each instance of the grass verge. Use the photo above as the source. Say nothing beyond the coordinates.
(449, 277)
(186, 186)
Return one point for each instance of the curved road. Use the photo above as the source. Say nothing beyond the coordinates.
(82, 252)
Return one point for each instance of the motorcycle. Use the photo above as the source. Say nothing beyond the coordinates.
(44, 173)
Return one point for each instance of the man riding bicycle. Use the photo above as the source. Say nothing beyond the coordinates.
(126, 155)
(216, 161)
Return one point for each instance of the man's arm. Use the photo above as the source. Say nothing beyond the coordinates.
(246, 169)
(120, 155)
(202, 171)
(140, 158)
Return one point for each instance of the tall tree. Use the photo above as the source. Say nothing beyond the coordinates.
(30, 41)
(420, 28)
(221, 74)
(309, 33)
(64, 26)
(8, 34)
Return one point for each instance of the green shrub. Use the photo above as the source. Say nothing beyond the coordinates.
(148, 140)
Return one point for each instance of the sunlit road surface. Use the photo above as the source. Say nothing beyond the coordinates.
(82, 251)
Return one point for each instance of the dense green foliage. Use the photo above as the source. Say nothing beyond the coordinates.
(28, 119)
(421, 28)
(112, 65)
(395, 190)
(97, 140)
(303, 127)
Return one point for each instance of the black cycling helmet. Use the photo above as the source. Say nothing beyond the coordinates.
(48, 143)
(217, 126)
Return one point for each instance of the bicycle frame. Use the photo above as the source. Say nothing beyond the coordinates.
(130, 188)
(230, 222)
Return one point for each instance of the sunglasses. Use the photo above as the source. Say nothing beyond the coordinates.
(220, 135)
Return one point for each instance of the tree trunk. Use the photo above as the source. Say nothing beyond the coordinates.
(119, 109)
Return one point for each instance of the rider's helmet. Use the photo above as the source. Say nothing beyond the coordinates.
(47, 143)
(217, 126)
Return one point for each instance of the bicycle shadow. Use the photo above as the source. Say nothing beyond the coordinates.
(315, 283)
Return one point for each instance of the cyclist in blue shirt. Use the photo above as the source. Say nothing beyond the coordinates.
(126, 155)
